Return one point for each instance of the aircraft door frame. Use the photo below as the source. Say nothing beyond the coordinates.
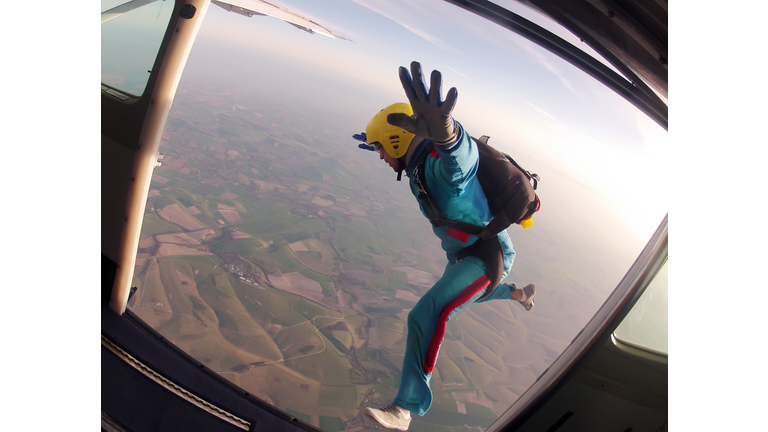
(161, 89)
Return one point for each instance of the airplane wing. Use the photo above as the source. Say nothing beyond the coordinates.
(250, 8)
(123, 8)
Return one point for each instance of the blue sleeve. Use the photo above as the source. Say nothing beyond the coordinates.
(458, 161)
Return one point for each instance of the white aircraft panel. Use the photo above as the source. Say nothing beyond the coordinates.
(261, 7)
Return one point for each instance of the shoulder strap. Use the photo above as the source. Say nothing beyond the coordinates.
(425, 198)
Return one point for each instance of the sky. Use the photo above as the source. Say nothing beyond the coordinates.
(550, 116)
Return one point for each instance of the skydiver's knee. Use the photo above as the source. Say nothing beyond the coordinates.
(425, 307)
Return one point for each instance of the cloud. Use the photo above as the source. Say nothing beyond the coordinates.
(541, 111)
(537, 53)
(457, 72)
(405, 14)
(428, 37)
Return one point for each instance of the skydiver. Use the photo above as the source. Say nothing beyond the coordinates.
(403, 134)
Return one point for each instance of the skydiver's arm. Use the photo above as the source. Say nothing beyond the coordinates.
(458, 160)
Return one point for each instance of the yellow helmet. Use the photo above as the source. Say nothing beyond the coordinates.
(394, 139)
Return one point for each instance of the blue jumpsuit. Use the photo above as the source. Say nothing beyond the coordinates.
(450, 175)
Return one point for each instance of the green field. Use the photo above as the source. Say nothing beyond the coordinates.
(185, 185)
(449, 372)
(203, 189)
(245, 329)
(186, 199)
(227, 202)
(169, 174)
(311, 310)
(248, 247)
(163, 201)
(328, 366)
(331, 424)
(153, 225)
(336, 339)
(340, 396)
(314, 261)
(273, 306)
(360, 236)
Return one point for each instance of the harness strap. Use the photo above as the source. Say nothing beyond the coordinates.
(489, 252)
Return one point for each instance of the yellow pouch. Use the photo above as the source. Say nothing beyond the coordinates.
(525, 224)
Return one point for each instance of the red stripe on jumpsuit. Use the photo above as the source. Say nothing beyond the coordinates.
(437, 337)
(458, 235)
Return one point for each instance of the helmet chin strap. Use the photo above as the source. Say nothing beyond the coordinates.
(403, 161)
(401, 167)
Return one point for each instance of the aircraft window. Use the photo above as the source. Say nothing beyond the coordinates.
(645, 326)
(286, 259)
(130, 40)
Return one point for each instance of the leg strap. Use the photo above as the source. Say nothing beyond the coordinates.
(437, 336)
(489, 251)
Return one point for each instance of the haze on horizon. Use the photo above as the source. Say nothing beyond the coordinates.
(533, 104)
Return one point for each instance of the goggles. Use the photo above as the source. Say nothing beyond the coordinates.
(364, 145)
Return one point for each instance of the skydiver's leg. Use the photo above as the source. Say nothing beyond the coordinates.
(515, 293)
(503, 292)
(414, 394)
(525, 296)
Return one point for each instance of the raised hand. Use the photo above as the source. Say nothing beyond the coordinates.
(431, 117)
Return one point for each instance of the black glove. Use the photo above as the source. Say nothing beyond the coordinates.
(431, 117)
